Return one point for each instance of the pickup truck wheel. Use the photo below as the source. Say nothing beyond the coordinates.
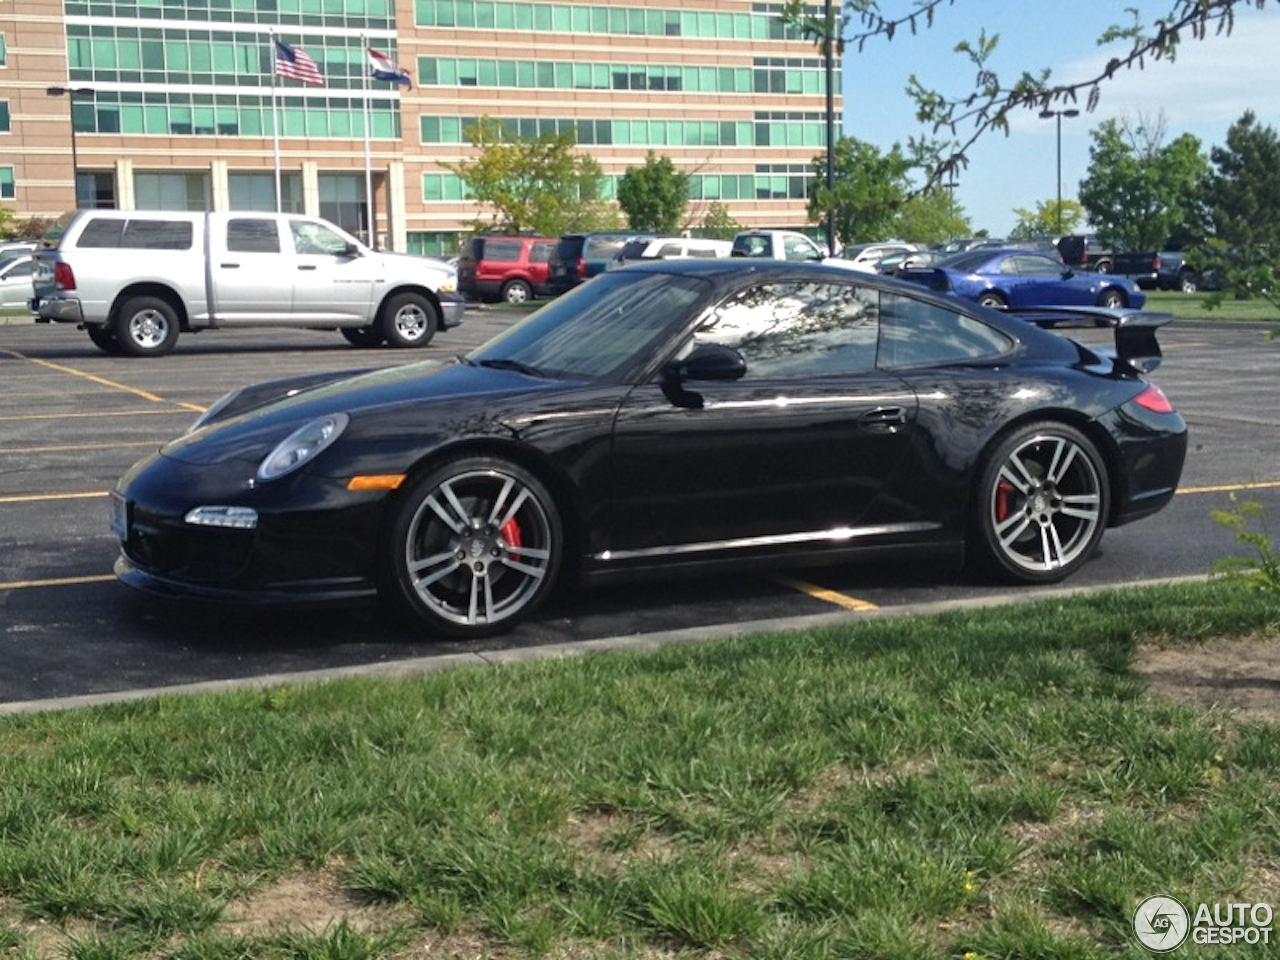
(362, 336)
(516, 291)
(408, 320)
(1112, 299)
(103, 338)
(146, 327)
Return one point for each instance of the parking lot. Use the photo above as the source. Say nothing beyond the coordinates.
(72, 419)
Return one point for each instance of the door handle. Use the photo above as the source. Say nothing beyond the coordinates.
(884, 420)
(229, 266)
(306, 266)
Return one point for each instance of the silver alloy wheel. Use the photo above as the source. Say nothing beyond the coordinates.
(411, 322)
(149, 329)
(1046, 505)
(517, 291)
(479, 548)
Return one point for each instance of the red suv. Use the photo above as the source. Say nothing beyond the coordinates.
(507, 268)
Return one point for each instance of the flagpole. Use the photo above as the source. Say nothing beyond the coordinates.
(275, 122)
(368, 137)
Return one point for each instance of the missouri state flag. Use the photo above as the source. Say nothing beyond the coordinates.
(384, 68)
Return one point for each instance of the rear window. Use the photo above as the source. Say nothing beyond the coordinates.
(137, 234)
(253, 236)
(604, 248)
(570, 248)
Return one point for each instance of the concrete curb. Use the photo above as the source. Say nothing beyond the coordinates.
(638, 643)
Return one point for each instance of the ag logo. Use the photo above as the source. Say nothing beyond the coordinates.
(1161, 924)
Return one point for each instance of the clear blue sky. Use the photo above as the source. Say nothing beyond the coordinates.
(1208, 88)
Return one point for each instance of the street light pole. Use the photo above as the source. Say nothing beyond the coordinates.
(829, 52)
(72, 93)
(1058, 115)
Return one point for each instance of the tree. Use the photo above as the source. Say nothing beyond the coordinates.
(1049, 218)
(931, 217)
(985, 105)
(718, 224)
(869, 191)
(1243, 201)
(654, 196)
(540, 185)
(1139, 191)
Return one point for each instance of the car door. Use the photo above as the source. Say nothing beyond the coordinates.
(333, 277)
(796, 450)
(15, 279)
(248, 268)
(1037, 281)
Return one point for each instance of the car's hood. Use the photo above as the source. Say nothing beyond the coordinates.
(369, 399)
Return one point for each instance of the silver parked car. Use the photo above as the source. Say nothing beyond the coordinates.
(15, 279)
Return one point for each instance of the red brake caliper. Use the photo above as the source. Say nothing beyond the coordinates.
(511, 535)
(1003, 489)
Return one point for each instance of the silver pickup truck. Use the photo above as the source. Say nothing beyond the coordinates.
(134, 279)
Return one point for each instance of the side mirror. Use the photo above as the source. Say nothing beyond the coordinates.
(351, 250)
(710, 361)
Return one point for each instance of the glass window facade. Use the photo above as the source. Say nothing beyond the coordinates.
(8, 187)
(352, 14)
(172, 191)
(4, 116)
(797, 129)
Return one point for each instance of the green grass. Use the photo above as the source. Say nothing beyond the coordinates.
(988, 784)
(1192, 307)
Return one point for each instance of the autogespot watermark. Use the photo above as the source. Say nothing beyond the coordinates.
(1162, 923)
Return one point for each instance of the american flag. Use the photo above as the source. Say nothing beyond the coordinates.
(294, 64)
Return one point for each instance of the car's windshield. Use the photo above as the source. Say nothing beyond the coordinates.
(598, 330)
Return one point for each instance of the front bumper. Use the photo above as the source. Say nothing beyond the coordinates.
(452, 307)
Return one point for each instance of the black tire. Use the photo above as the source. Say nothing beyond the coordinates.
(474, 546)
(408, 320)
(362, 336)
(1112, 299)
(1040, 506)
(1104, 266)
(146, 327)
(993, 300)
(516, 291)
(103, 338)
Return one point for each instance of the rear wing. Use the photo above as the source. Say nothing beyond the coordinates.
(1135, 330)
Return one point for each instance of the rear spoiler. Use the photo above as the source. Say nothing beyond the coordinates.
(1136, 346)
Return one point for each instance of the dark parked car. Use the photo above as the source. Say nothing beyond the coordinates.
(514, 269)
(683, 413)
(1085, 251)
(580, 256)
(1022, 278)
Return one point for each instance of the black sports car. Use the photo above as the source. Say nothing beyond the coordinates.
(675, 413)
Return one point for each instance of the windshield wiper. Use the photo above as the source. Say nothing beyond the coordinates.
(507, 364)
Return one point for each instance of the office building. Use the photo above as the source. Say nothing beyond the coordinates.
(179, 103)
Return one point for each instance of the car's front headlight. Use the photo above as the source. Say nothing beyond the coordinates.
(302, 446)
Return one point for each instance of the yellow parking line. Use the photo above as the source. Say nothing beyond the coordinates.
(102, 381)
(1232, 487)
(821, 593)
(59, 582)
(38, 497)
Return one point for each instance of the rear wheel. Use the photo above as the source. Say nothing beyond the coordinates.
(993, 300)
(1188, 282)
(475, 546)
(408, 320)
(146, 327)
(1041, 503)
(1112, 299)
(103, 338)
(516, 291)
(362, 336)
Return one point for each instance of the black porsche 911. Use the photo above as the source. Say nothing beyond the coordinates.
(682, 413)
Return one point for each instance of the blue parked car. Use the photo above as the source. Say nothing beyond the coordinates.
(1009, 278)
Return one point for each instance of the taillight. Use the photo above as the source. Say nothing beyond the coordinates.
(582, 269)
(63, 278)
(1155, 263)
(1153, 399)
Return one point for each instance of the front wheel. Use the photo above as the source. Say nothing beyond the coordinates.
(1041, 504)
(475, 546)
(146, 327)
(1188, 282)
(993, 300)
(408, 320)
(1112, 299)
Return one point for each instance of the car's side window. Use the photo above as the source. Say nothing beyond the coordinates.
(252, 235)
(803, 328)
(1037, 266)
(798, 248)
(312, 237)
(914, 332)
